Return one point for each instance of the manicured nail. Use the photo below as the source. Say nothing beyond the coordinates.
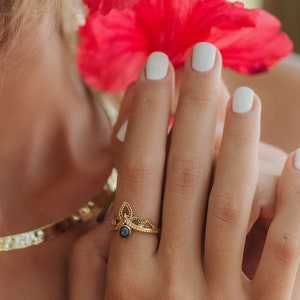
(297, 159)
(242, 100)
(157, 66)
(122, 132)
(219, 127)
(204, 55)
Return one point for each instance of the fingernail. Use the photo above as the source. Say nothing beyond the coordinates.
(242, 100)
(204, 55)
(297, 159)
(157, 66)
(122, 132)
(219, 127)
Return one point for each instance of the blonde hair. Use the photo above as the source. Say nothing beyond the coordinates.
(21, 17)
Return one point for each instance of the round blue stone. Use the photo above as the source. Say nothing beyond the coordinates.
(124, 232)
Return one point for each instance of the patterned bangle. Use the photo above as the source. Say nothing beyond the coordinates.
(40, 235)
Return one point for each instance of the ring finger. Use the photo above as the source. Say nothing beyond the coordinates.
(233, 190)
(191, 153)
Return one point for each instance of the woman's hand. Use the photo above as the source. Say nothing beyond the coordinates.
(199, 253)
(271, 163)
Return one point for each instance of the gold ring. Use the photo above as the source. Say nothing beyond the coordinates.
(126, 222)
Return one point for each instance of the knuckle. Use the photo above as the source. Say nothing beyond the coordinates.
(148, 98)
(200, 102)
(285, 248)
(138, 168)
(187, 174)
(228, 208)
(241, 136)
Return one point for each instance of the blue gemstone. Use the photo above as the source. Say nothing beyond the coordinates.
(124, 232)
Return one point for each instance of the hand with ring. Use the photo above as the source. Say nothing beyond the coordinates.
(176, 233)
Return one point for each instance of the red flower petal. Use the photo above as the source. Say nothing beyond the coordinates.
(105, 6)
(93, 5)
(114, 46)
(109, 61)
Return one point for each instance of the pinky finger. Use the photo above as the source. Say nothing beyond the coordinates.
(87, 273)
(276, 273)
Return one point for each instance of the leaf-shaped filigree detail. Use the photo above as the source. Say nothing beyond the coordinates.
(125, 211)
(127, 219)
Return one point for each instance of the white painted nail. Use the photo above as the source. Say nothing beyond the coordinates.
(122, 132)
(219, 127)
(242, 100)
(157, 66)
(297, 159)
(204, 56)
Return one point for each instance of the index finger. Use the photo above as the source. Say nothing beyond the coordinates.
(142, 160)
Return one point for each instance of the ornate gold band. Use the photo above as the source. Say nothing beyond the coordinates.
(50, 231)
(126, 221)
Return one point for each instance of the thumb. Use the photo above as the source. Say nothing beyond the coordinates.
(87, 272)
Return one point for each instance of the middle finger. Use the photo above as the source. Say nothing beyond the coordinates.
(191, 152)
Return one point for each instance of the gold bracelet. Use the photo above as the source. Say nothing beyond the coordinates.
(46, 233)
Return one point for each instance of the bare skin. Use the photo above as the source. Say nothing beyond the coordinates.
(54, 155)
(176, 265)
(279, 90)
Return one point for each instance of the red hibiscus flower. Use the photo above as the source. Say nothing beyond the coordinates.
(105, 6)
(119, 35)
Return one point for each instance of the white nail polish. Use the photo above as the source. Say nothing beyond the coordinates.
(242, 100)
(157, 66)
(297, 159)
(122, 132)
(219, 127)
(204, 56)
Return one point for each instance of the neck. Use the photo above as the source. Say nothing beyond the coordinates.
(54, 142)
